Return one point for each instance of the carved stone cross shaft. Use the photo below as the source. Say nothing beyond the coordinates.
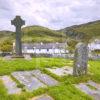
(18, 23)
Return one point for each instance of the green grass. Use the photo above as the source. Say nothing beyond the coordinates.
(6, 67)
(64, 91)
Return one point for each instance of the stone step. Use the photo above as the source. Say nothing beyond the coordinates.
(25, 77)
(48, 80)
(10, 85)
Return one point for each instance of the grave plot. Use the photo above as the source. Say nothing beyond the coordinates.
(90, 88)
(61, 71)
(31, 83)
(94, 84)
(10, 85)
(7, 58)
(27, 57)
(42, 97)
(46, 79)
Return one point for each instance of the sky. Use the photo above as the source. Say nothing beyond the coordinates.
(54, 14)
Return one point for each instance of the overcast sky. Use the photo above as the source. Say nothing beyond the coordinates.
(54, 14)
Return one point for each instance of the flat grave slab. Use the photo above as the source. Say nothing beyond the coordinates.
(46, 79)
(31, 83)
(8, 58)
(94, 84)
(85, 88)
(90, 88)
(42, 97)
(27, 57)
(61, 71)
(10, 85)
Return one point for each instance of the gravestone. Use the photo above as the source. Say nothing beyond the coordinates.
(80, 59)
(46, 79)
(27, 57)
(10, 85)
(18, 23)
(31, 83)
(91, 88)
(66, 70)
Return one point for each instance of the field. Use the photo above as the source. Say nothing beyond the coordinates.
(65, 90)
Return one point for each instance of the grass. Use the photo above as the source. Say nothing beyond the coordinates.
(91, 87)
(64, 91)
(6, 67)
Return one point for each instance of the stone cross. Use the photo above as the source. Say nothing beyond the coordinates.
(80, 59)
(18, 23)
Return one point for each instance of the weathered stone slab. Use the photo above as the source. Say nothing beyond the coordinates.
(95, 93)
(44, 78)
(85, 88)
(80, 59)
(61, 71)
(10, 85)
(8, 58)
(31, 83)
(94, 84)
(43, 97)
(28, 57)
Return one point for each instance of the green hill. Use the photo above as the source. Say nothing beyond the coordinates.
(42, 34)
(84, 31)
(35, 34)
(6, 35)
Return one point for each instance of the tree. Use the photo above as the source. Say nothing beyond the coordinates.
(97, 51)
(6, 46)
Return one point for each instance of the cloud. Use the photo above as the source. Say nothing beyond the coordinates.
(54, 14)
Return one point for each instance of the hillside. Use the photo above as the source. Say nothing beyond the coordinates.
(41, 34)
(35, 34)
(4, 35)
(84, 31)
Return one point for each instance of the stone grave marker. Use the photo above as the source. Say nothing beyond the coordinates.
(80, 59)
(85, 88)
(94, 92)
(18, 23)
(61, 71)
(27, 57)
(10, 85)
(94, 84)
(8, 57)
(48, 80)
(31, 83)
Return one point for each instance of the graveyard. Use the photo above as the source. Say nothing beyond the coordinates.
(49, 61)
(59, 86)
(26, 77)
